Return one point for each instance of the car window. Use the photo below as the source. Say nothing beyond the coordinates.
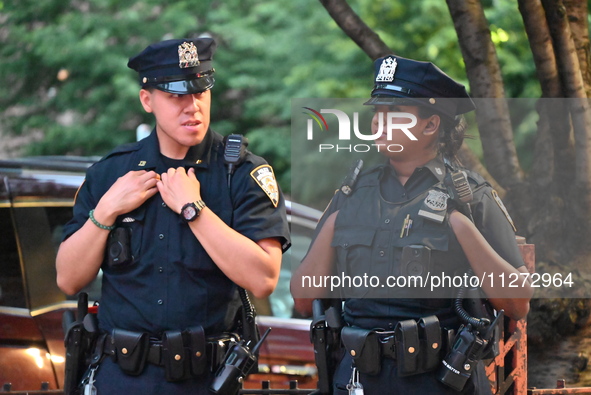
(12, 292)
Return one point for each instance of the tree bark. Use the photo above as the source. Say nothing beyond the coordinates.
(577, 12)
(356, 29)
(553, 156)
(574, 89)
(483, 70)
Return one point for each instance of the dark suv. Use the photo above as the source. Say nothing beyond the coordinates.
(36, 198)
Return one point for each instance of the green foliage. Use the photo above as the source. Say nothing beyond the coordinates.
(63, 69)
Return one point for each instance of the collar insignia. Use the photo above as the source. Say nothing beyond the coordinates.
(188, 56)
(387, 70)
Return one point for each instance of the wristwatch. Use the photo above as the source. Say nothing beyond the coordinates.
(191, 211)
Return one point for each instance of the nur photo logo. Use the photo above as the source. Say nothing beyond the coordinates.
(389, 123)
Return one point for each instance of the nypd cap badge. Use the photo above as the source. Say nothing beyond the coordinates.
(387, 70)
(188, 56)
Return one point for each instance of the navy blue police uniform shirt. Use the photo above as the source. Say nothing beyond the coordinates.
(172, 283)
(384, 312)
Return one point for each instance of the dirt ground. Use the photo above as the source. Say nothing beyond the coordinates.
(565, 359)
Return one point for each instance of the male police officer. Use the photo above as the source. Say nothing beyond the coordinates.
(172, 236)
(403, 220)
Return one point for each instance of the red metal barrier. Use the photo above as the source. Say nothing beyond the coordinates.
(507, 373)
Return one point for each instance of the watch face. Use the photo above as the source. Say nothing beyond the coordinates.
(189, 213)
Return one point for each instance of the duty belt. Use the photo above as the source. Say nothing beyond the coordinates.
(183, 354)
(416, 346)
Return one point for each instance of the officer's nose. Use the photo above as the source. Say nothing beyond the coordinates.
(192, 103)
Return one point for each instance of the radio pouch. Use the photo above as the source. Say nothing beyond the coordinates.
(176, 363)
(364, 346)
(407, 347)
(217, 347)
(198, 350)
(430, 342)
(131, 350)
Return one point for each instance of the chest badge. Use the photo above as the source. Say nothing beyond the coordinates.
(436, 200)
(265, 178)
(434, 206)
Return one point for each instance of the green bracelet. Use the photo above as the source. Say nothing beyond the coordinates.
(94, 221)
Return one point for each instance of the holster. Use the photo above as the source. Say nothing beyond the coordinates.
(131, 350)
(418, 345)
(364, 347)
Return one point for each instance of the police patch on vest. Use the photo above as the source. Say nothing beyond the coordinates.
(503, 208)
(264, 176)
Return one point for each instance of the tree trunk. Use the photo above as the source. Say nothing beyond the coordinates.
(574, 89)
(577, 12)
(553, 156)
(483, 70)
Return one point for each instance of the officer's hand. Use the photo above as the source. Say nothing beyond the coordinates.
(179, 187)
(126, 194)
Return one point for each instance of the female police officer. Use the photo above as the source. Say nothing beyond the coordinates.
(411, 216)
(171, 235)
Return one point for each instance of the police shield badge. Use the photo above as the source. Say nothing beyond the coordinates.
(265, 178)
(434, 206)
(387, 70)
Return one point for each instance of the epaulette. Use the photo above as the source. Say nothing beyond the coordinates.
(122, 149)
(367, 178)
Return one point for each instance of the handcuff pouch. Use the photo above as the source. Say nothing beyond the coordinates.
(131, 350)
(364, 347)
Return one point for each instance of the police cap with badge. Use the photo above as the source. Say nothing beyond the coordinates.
(405, 81)
(180, 66)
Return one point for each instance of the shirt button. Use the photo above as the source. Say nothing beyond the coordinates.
(160, 301)
(387, 221)
(161, 236)
(160, 270)
(163, 204)
(382, 253)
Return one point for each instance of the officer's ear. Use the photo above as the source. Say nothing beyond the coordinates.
(146, 100)
(432, 125)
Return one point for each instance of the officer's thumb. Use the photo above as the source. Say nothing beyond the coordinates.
(191, 172)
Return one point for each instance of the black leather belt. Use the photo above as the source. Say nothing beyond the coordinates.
(154, 350)
(388, 344)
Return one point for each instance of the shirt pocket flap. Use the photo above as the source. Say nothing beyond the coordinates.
(424, 232)
(350, 237)
(136, 215)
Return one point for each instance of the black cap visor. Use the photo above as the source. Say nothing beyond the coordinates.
(187, 87)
